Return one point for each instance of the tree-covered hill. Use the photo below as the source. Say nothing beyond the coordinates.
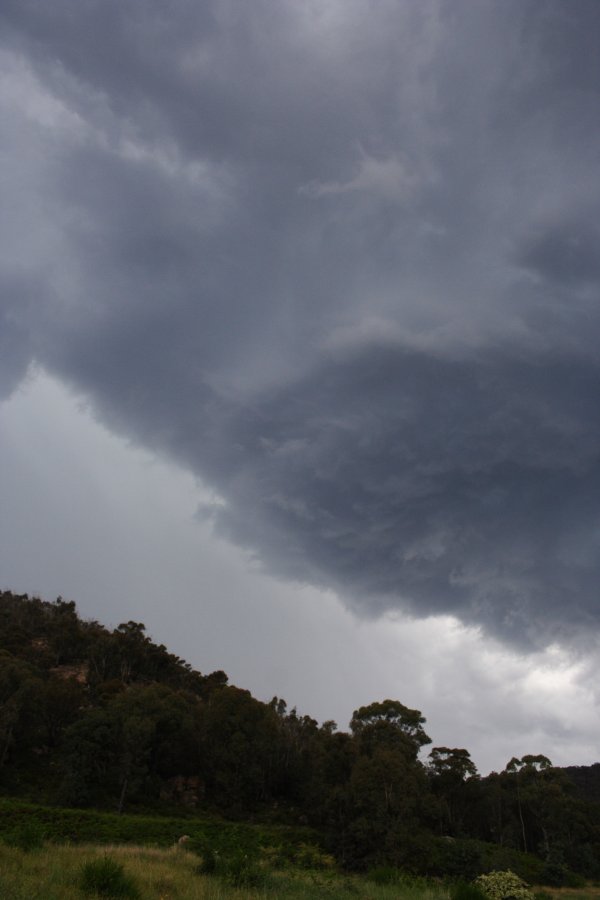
(91, 717)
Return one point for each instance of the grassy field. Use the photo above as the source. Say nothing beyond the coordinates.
(46, 853)
(54, 872)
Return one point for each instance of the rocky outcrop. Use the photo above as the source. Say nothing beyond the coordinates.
(187, 790)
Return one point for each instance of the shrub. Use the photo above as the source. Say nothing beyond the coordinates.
(107, 878)
(209, 861)
(307, 856)
(26, 836)
(503, 886)
(457, 859)
(237, 866)
(242, 871)
(554, 873)
(274, 857)
(384, 875)
(462, 890)
(574, 880)
(208, 853)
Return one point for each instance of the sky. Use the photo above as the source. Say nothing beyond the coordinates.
(299, 347)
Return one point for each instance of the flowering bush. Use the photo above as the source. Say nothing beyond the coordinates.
(503, 886)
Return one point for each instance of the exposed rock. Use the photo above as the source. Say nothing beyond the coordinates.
(78, 671)
(187, 790)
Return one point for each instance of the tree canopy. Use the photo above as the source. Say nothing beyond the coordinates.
(92, 716)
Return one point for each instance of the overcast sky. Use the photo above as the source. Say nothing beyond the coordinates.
(300, 346)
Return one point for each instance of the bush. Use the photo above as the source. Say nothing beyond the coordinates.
(462, 890)
(307, 856)
(242, 871)
(457, 859)
(238, 866)
(503, 886)
(554, 873)
(107, 878)
(208, 853)
(574, 880)
(275, 857)
(385, 875)
(26, 836)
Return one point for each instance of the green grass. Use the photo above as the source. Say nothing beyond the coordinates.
(55, 873)
(108, 878)
(99, 827)
(251, 860)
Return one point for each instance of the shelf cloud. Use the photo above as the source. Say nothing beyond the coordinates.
(340, 262)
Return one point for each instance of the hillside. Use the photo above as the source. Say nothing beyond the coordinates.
(110, 720)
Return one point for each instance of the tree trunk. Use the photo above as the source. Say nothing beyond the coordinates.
(122, 797)
(6, 746)
(521, 816)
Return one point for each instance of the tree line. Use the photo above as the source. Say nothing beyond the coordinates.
(94, 717)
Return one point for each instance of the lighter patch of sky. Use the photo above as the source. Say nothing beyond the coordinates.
(389, 177)
(22, 91)
(89, 516)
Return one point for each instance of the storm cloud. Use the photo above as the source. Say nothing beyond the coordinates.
(339, 261)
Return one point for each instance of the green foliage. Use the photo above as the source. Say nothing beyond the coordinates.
(28, 836)
(385, 875)
(109, 719)
(503, 886)
(457, 859)
(107, 877)
(54, 874)
(463, 859)
(242, 870)
(455, 788)
(452, 763)
(87, 826)
(308, 856)
(243, 864)
(529, 763)
(390, 723)
(403, 882)
(209, 857)
(573, 879)
(239, 740)
(126, 748)
(554, 873)
(463, 890)
(236, 865)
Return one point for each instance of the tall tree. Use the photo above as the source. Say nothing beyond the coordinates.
(391, 723)
(449, 769)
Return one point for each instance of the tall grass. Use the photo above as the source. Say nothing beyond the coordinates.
(54, 873)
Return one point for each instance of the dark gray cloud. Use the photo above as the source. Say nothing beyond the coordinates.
(564, 253)
(341, 263)
(456, 486)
